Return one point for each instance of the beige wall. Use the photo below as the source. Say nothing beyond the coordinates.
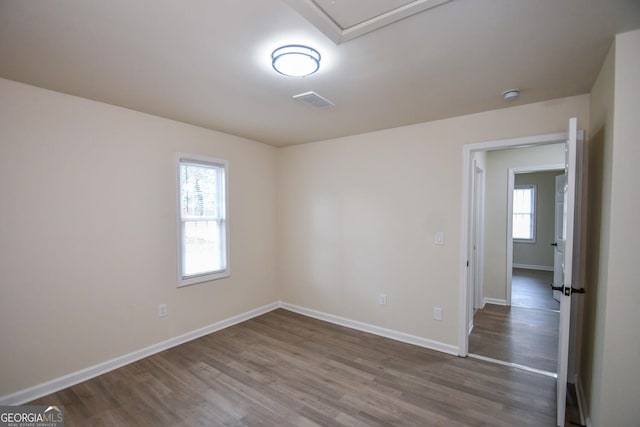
(599, 147)
(358, 216)
(88, 233)
(540, 252)
(495, 243)
(612, 336)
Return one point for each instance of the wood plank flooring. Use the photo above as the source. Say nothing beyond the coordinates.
(522, 335)
(284, 369)
(530, 288)
(518, 335)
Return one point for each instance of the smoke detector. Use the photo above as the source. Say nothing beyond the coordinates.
(511, 95)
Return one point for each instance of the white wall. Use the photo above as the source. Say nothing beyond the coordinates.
(357, 216)
(612, 340)
(495, 244)
(88, 233)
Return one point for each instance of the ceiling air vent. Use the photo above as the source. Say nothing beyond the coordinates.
(313, 99)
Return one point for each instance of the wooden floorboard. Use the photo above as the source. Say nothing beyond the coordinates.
(527, 334)
(531, 288)
(284, 369)
(518, 335)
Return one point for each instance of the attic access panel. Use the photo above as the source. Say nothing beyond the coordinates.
(344, 20)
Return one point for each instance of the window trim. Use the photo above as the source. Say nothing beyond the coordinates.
(534, 213)
(224, 217)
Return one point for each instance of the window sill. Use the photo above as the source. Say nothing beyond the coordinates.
(194, 280)
(531, 241)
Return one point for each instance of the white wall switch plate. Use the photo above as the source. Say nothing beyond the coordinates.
(439, 238)
(162, 310)
(437, 313)
(382, 299)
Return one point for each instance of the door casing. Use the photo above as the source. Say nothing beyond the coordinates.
(467, 216)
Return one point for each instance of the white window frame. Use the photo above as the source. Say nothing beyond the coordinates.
(223, 166)
(534, 197)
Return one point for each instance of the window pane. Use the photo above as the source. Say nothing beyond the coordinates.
(522, 200)
(202, 247)
(198, 190)
(522, 226)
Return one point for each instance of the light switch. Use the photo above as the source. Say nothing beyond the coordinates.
(439, 238)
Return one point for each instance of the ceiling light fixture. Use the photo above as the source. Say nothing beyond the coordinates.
(295, 60)
(510, 95)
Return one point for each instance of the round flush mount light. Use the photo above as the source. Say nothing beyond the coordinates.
(510, 95)
(295, 60)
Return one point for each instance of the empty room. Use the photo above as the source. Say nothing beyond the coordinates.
(319, 213)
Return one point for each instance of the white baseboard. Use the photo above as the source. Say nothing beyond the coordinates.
(495, 301)
(533, 267)
(23, 396)
(372, 329)
(484, 302)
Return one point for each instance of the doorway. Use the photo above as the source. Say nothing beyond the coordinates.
(572, 141)
(493, 290)
(517, 320)
(532, 221)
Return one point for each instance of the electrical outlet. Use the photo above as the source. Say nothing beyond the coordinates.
(162, 310)
(382, 299)
(437, 313)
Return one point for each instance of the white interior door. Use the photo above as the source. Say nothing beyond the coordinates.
(558, 236)
(567, 268)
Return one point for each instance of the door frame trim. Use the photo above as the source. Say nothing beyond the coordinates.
(468, 151)
(477, 234)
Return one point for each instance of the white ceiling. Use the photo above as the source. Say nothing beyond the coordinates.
(207, 62)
